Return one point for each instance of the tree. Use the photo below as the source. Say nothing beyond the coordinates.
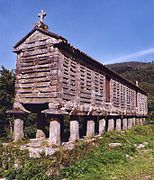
(7, 81)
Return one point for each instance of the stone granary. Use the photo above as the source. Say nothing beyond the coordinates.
(54, 79)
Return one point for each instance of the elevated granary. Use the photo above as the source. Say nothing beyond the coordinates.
(55, 78)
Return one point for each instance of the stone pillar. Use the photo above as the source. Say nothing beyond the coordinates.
(90, 128)
(143, 119)
(74, 130)
(18, 129)
(110, 125)
(102, 123)
(40, 126)
(124, 124)
(130, 122)
(118, 124)
(137, 121)
(54, 132)
(133, 121)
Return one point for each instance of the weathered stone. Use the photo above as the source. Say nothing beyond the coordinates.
(140, 146)
(125, 125)
(130, 121)
(133, 121)
(40, 134)
(74, 130)
(114, 145)
(110, 125)
(18, 129)
(90, 128)
(143, 119)
(54, 133)
(102, 123)
(118, 124)
(137, 121)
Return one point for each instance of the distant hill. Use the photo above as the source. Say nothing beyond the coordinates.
(138, 71)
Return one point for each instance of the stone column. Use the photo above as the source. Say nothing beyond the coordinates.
(118, 124)
(124, 124)
(143, 119)
(137, 121)
(130, 121)
(102, 123)
(90, 128)
(74, 130)
(110, 125)
(54, 132)
(40, 126)
(18, 129)
(133, 121)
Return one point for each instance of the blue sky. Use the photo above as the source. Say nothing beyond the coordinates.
(108, 30)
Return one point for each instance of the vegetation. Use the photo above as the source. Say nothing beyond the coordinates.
(7, 79)
(89, 159)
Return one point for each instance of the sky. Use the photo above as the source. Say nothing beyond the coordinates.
(108, 30)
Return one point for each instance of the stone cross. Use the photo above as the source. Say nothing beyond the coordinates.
(42, 14)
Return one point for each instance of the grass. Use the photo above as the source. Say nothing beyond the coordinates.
(89, 160)
(125, 162)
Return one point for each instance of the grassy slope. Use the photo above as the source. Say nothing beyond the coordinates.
(90, 159)
(125, 162)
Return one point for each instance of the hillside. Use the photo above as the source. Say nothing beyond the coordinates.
(138, 71)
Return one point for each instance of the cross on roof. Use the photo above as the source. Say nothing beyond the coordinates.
(42, 14)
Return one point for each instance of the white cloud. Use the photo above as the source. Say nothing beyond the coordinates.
(131, 56)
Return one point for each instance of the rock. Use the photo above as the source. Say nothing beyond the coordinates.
(140, 146)
(69, 146)
(128, 156)
(40, 134)
(145, 143)
(114, 145)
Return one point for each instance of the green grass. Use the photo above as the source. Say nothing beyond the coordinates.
(88, 160)
(125, 162)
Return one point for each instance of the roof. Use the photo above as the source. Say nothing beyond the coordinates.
(36, 28)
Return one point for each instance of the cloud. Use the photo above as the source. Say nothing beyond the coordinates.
(131, 56)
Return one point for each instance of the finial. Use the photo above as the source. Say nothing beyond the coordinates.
(42, 14)
(41, 24)
(137, 83)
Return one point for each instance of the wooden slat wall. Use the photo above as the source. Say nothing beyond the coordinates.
(80, 81)
(123, 98)
(37, 70)
(45, 74)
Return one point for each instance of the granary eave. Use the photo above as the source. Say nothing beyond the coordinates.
(51, 34)
(66, 46)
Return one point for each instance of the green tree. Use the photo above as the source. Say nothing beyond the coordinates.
(7, 79)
